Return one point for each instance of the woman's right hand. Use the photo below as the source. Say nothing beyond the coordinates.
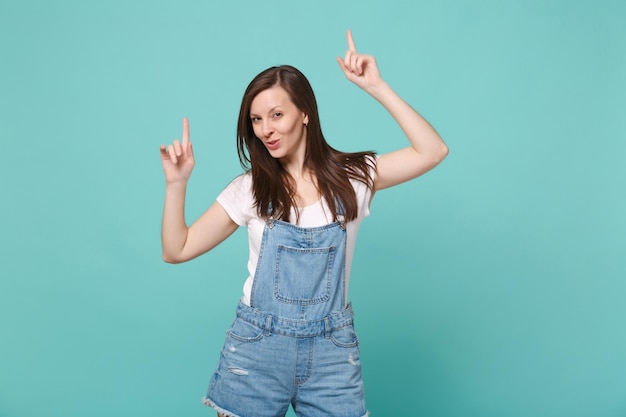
(177, 159)
(179, 242)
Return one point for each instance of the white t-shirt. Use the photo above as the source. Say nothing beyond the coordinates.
(238, 201)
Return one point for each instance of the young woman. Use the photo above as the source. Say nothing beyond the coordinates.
(293, 340)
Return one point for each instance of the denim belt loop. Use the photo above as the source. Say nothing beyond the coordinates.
(268, 325)
(327, 330)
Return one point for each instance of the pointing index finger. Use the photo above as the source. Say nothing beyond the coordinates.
(185, 132)
(351, 45)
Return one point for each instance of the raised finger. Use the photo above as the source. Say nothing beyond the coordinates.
(185, 130)
(351, 45)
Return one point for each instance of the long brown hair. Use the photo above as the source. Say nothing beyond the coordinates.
(332, 169)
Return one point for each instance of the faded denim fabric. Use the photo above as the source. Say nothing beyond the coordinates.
(295, 344)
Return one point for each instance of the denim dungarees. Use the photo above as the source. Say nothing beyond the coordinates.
(295, 343)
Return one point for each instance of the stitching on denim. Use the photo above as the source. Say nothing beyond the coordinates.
(206, 401)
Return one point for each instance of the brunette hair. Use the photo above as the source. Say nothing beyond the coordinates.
(333, 169)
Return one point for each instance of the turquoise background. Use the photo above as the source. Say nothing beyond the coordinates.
(492, 286)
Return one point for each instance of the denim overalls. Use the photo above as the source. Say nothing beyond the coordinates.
(295, 344)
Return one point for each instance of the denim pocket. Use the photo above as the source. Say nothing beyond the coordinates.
(345, 337)
(303, 275)
(245, 332)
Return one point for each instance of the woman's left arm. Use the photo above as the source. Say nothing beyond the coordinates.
(427, 148)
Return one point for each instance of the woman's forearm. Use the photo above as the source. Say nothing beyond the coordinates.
(421, 135)
(174, 230)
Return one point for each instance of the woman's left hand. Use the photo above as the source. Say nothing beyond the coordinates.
(361, 69)
(426, 148)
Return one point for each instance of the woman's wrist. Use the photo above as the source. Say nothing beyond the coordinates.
(176, 187)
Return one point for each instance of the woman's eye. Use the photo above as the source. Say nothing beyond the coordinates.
(255, 119)
(277, 114)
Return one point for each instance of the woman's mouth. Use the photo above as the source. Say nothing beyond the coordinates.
(272, 144)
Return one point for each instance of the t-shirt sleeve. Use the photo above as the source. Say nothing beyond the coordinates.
(237, 199)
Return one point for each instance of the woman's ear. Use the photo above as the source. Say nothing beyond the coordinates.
(306, 120)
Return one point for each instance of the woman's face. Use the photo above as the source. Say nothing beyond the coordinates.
(279, 124)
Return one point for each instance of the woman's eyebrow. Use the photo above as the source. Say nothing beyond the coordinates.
(269, 111)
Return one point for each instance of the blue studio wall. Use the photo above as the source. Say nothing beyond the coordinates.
(492, 286)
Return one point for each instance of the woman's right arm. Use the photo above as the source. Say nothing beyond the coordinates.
(181, 243)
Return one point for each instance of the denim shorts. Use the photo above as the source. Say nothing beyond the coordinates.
(267, 364)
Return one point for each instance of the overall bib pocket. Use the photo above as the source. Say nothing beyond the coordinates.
(303, 275)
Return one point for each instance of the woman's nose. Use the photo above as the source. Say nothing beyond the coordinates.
(268, 129)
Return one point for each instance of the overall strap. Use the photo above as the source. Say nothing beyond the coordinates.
(270, 219)
(341, 211)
